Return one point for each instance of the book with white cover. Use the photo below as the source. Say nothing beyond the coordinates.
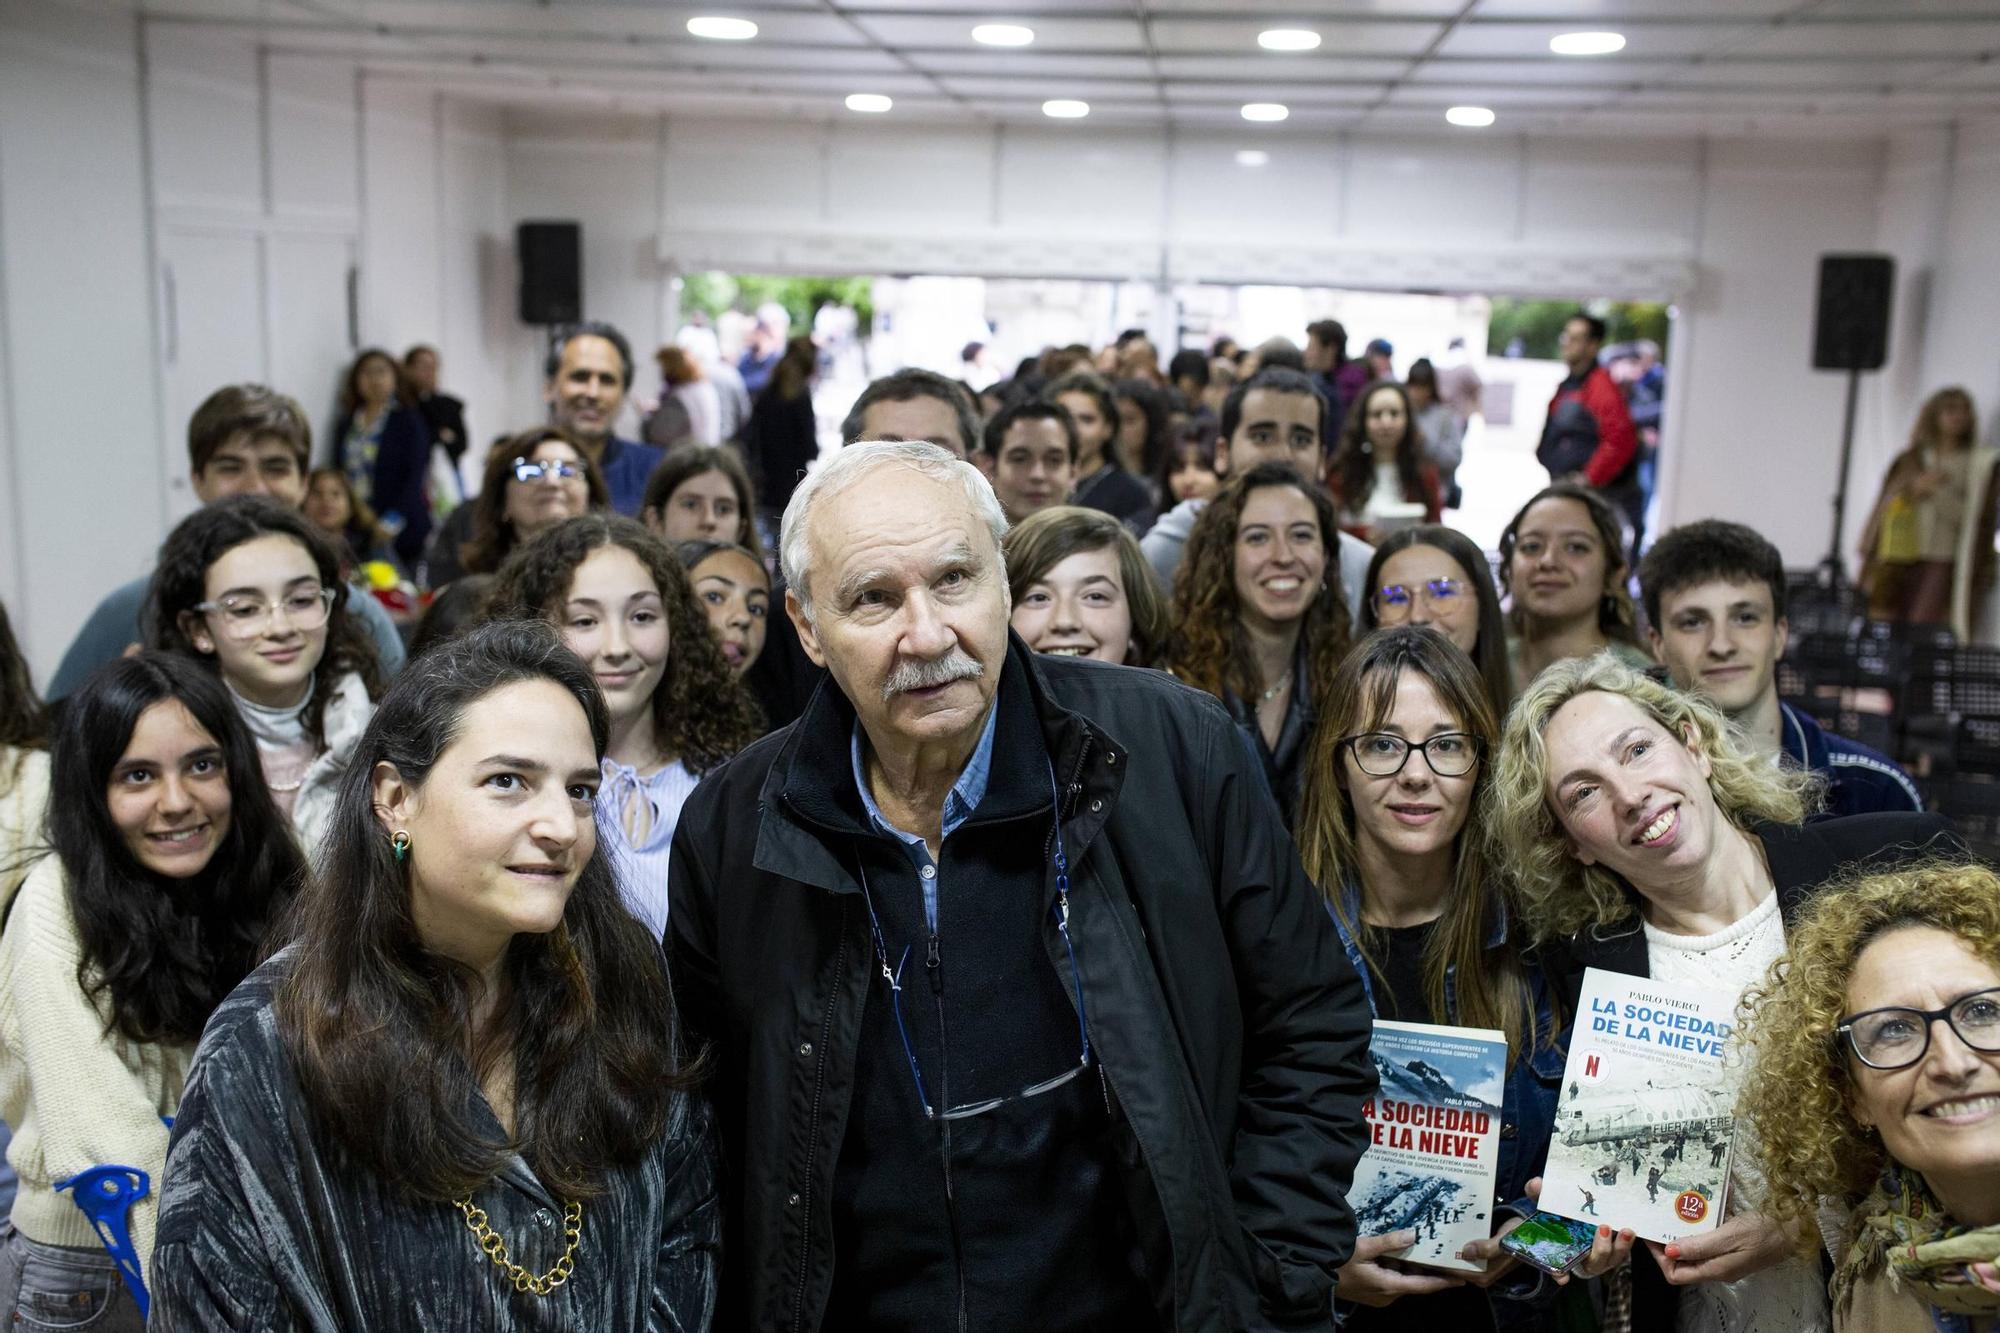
(1645, 1121)
(1434, 1139)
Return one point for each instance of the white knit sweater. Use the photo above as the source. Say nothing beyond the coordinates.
(76, 1097)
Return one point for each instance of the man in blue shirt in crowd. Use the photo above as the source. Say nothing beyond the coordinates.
(245, 439)
(589, 373)
(1715, 598)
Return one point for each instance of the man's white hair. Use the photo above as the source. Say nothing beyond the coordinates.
(854, 464)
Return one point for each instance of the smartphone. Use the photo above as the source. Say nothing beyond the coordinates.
(1551, 1243)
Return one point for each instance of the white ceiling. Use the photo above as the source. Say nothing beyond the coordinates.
(1793, 67)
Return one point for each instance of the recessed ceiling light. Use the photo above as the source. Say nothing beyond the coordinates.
(1288, 39)
(1267, 111)
(1002, 34)
(1587, 43)
(1251, 157)
(1471, 117)
(721, 29)
(1066, 108)
(873, 104)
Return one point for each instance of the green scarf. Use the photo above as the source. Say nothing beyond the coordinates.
(1902, 1229)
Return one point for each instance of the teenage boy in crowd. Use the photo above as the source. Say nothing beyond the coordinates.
(244, 439)
(1715, 596)
(1275, 416)
(1031, 457)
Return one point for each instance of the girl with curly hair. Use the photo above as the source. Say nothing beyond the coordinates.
(1562, 568)
(1644, 838)
(1875, 1084)
(1391, 830)
(168, 865)
(1380, 462)
(622, 603)
(253, 590)
(1258, 623)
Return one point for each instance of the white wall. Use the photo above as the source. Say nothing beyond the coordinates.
(78, 387)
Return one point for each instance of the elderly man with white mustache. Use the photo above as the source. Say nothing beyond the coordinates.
(1021, 1012)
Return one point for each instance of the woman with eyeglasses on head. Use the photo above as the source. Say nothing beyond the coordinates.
(1390, 827)
(1875, 1086)
(168, 863)
(455, 1093)
(735, 592)
(249, 587)
(1562, 569)
(622, 603)
(533, 482)
(1082, 588)
(1435, 577)
(1642, 838)
(1258, 622)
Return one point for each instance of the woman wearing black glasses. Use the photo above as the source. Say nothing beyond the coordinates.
(1643, 839)
(533, 482)
(1876, 1083)
(252, 589)
(1390, 829)
(1435, 576)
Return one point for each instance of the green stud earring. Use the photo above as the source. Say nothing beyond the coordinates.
(399, 843)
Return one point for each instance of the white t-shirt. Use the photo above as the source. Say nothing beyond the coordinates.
(1790, 1297)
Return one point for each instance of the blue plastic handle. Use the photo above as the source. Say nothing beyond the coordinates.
(106, 1195)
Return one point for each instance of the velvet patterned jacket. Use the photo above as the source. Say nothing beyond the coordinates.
(266, 1224)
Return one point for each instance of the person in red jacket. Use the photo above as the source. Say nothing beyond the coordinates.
(1589, 435)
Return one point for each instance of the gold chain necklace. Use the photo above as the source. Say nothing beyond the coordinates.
(495, 1249)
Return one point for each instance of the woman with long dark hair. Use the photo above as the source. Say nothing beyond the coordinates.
(1102, 481)
(1145, 427)
(169, 863)
(250, 588)
(1436, 577)
(1257, 621)
(622, 603)
(1390, 827)
(533, 482)
(383, 446)
(1380, 464)
(456, 1089)
(1563, 571)
(782, 435)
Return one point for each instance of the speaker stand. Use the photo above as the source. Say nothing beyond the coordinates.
(1832, 571)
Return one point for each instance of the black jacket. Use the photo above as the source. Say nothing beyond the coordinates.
(1803, 857)
(1232, 1031)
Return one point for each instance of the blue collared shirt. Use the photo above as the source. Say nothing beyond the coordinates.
(959, 803)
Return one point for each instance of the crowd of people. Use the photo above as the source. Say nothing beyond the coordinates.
(571, 946)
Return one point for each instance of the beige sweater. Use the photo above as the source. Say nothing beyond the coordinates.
(24, 799)
(76, 1097)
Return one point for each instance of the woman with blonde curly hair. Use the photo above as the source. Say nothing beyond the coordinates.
(1258, 624)
(1876, 1084)
(1643, 839)
(622, 603)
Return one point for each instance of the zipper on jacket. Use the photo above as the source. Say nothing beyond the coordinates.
(1071, 790)
(812, 1142)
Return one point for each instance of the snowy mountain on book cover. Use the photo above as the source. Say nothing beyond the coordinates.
(1645, 1121)
(1434, 1139)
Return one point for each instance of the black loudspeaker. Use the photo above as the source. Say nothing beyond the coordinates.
(1851, 326)
(551, 271)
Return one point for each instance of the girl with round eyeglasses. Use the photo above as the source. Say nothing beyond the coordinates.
(1435, 577)
(252, 589)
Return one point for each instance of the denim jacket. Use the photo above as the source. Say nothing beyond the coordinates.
(1527, 1111)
